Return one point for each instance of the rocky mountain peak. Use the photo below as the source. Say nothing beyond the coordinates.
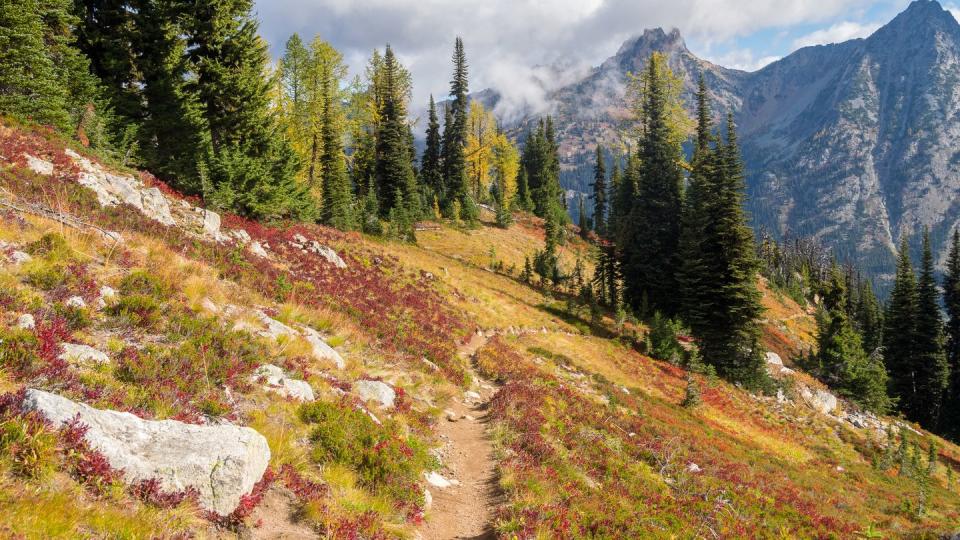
(922, 18)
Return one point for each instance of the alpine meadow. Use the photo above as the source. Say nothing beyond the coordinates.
(517, 270)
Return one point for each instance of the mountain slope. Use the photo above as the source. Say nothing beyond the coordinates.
(590, 435)
(853, 143)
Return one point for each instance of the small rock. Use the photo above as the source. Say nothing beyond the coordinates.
(693, 467)
(321, 350)
(274, 328)
(840, 468)
(427, 499)
(39, 166)
(76, 353)
(19, 257)
(437, 481)
(277, 381)
(257, 249)
(75, 302)
(820, 400)
(470, 395)
(468, 418)
(774, 359)
(208, 305)
(106, 293)
(26, 322)
(375, 391)
(625, 390)
(451, 416)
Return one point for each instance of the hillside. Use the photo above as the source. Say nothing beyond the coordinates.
(852, 143)
(417, 390)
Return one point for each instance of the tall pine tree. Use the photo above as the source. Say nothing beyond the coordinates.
(455, 139)
(930, 362)
(900, 333)
(651, 240)
(431, 171)
(950, 419)
(599, 193)
(395, 181)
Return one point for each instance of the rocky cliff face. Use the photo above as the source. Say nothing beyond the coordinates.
(854, 143)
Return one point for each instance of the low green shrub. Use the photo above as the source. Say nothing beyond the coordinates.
(32, 448)
(18, 350)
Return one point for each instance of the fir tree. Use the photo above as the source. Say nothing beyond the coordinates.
(253, 167)
(523, 200)
(431, 171)
(900, 331)
(950, 419)
(599, 193)
(394, 174)
(650, 242)
(455, 139)
(337, 203)
(584, 221)
(842, 361)
(930, 363)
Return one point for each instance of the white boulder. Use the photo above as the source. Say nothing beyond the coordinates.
(257, 249)
(774, 359)
(75, 302)
(277, 381)
(20, 257)
(272, 327)
(377, 391)
(221, 462)
(76, 353)
(26, 322)
(39, 166)
(820, 400)
(321, 350)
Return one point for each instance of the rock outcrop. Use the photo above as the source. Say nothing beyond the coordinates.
(221, 462)
(377, 391)
(275, 380)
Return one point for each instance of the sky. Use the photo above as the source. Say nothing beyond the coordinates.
(509, 43)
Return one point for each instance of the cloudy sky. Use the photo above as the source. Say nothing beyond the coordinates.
(506, 39)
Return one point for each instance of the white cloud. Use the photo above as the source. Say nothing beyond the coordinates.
(837, 33)
(743, 59)
(504, 38)
(953, 9)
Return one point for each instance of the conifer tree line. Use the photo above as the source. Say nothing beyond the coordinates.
(187, 90)
(673, 240)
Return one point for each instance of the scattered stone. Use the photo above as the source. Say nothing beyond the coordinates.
(277, 381)
(106, 293)
(209, 306)
(840, 468)
(274, 328)
(257, 249)
(221, 462)
(820, 400)
(625, 390)
(20, 257)
(75, 302)
(470, 395)
(76, 353)
(211, 224)
(321, 350)
(112, 189)
(451, 416)
(774, 359)
(39, 166)
(427, 499)
(693, 467)
(437, 481)
(468, 418)
(26, 322)
(375, 391)
(241, 236)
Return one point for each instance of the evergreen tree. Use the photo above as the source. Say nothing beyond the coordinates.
(842, 361)
(455, 139)
(395, 179)
(253, 167)
(726, 325)
(650, 242)
(45, 78)
(173, 135)
(431, 171)
(599, 194)
(930, 362)
(108, 34)
(869, 318)
(900, 333)
(523, 199)
(584, 222)
(337, 202)
(950, 419)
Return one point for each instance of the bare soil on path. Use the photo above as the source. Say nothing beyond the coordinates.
(465, 510)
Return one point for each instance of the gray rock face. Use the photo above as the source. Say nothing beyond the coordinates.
(277, 381)
(221, 462)
(26, 322)
(313, 246)
(112, 189)
(377, 391)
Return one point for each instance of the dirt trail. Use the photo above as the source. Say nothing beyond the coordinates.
(465, 509)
